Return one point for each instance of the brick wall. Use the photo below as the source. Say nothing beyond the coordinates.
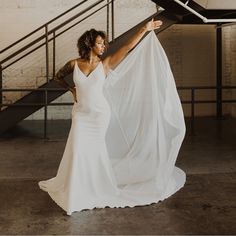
(229, 64)
(191, 51)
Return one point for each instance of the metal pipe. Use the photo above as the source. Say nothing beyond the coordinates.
(62, 89)
(112, 21)
(1, 81)
(220, 20)
(47, 53)
(108, 19)
(47, 76)
(54, 55)
(204, 19)
(219, 72)
(192, 110)
(69, 103)
(45, 114)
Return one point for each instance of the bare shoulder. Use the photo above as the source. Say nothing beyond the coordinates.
(80, 62)
(72, 62)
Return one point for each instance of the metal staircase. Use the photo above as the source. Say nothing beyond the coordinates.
(42, 96)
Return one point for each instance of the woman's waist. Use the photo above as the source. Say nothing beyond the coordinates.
(84, 106)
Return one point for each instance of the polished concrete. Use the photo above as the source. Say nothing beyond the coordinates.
(206, 204)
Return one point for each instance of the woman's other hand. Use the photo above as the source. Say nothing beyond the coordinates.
(73, 91)
(152, 25)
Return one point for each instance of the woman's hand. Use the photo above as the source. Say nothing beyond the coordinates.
(73, 91)
(152, 25)
(113, 60)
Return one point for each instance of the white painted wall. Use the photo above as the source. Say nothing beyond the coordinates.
(190, 49)
(217, 4)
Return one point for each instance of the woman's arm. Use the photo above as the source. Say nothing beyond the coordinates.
(63, 72)
(112, 61)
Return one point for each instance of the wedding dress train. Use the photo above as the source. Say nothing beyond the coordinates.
(126, 132)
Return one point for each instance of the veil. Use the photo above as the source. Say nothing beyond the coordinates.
(143, 139)
(147, 124)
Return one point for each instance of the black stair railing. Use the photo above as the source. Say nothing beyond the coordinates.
(42, 97)
(51, 35)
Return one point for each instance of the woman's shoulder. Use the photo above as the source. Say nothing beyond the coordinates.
(72, 62)
(79, 61)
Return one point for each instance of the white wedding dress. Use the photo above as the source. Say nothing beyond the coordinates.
(127, 129)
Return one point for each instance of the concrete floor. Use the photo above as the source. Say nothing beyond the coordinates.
(206, 205)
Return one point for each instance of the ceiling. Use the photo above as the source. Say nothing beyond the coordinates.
(217, 4)
(210, 9)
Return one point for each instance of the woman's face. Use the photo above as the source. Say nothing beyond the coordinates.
(99, 46)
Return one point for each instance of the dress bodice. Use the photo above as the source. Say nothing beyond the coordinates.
(89, 89)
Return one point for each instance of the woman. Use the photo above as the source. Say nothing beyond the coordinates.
(87, 177)
(92, 45)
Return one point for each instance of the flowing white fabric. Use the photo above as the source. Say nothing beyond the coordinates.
(127, 129)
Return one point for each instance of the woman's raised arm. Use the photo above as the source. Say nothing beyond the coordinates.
(113, 60)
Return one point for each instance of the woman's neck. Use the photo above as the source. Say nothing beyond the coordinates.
(93, 59)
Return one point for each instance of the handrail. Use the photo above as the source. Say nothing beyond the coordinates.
(63, 89)
(45, 38)
(51, 32)
(42, 26)
(192, 101)
(53, 38)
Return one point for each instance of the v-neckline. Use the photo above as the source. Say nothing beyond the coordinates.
(87, 76)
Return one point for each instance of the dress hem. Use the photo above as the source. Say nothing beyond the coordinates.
(69, 213)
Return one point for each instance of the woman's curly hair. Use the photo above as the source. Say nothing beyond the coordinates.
(87, 40)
